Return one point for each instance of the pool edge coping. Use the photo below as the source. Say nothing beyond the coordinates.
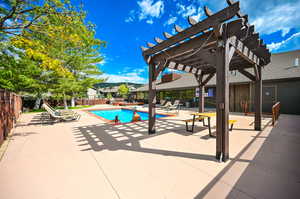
(114, 108)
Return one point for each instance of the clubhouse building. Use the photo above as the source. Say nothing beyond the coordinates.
(281, 83)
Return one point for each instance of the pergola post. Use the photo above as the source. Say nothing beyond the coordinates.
(201, 98)
(151, 99)
(258, 100)
(223, 56)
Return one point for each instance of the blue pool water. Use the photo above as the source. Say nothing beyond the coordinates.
(124, 115)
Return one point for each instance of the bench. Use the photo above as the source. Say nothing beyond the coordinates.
(192, 120)
(231, 123)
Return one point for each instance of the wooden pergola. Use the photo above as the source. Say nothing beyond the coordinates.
(222, 42)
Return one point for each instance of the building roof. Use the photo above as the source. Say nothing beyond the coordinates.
(280, 67)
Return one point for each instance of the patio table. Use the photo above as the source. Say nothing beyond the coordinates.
(208, 115)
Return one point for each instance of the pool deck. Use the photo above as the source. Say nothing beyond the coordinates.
(91, 159)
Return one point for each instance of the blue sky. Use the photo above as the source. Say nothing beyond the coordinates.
(128, 24)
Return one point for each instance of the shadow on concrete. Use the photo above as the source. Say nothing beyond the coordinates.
(274, 172)
(128, 136)
(25, 134)
(42, 119)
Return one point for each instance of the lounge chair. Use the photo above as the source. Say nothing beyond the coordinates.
(60, 112)
(174, 106)
(166, 105)
(57, 116)
(162, 103)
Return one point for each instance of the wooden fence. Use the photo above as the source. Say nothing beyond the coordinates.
(10, 110)
(91, 102)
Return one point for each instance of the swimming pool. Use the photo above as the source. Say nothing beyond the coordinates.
(124, 115)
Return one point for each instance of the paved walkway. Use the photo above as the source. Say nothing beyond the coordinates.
(90, 159)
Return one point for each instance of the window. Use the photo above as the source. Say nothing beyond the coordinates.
(210, 92)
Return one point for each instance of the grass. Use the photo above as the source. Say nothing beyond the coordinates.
(58, 107)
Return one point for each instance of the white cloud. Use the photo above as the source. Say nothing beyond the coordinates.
(140, 70)
(170, 21)
(273, 16)
(131, 17)
(149, 21)
(280, 45)
(268, 16)
(129, 77)
(276, 20)
(150, 9)
(191, 10)
(186, 11)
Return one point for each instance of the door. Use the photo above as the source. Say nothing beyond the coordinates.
(269, 98)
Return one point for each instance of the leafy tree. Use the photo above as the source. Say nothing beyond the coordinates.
(19, 15)
(123, 90)
(109, 96)
(60, 47)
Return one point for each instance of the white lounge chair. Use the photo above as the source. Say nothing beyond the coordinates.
(60, 112)
(174, 106)
(161, 103)
(166, 105)
(57, 116)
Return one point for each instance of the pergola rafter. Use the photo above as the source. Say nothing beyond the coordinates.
(211, 47)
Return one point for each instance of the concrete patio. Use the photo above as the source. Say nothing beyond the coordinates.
(92, 159)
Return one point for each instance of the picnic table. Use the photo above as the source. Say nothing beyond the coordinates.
(207, 115)
(201, 117)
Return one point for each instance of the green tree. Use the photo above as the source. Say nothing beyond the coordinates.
(61, 48)
(123, 90)
(109, 96)
(19, 15)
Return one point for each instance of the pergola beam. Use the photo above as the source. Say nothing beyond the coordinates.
(247, 74)
(215, 19)
(161, 66)
(209, 77)
(185, 48)
(244, 51)
(203, 57)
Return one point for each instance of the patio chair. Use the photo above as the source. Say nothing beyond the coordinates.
(161, 103)
(174, 106)
(63, 117)
(166, 105)
(60, 112)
